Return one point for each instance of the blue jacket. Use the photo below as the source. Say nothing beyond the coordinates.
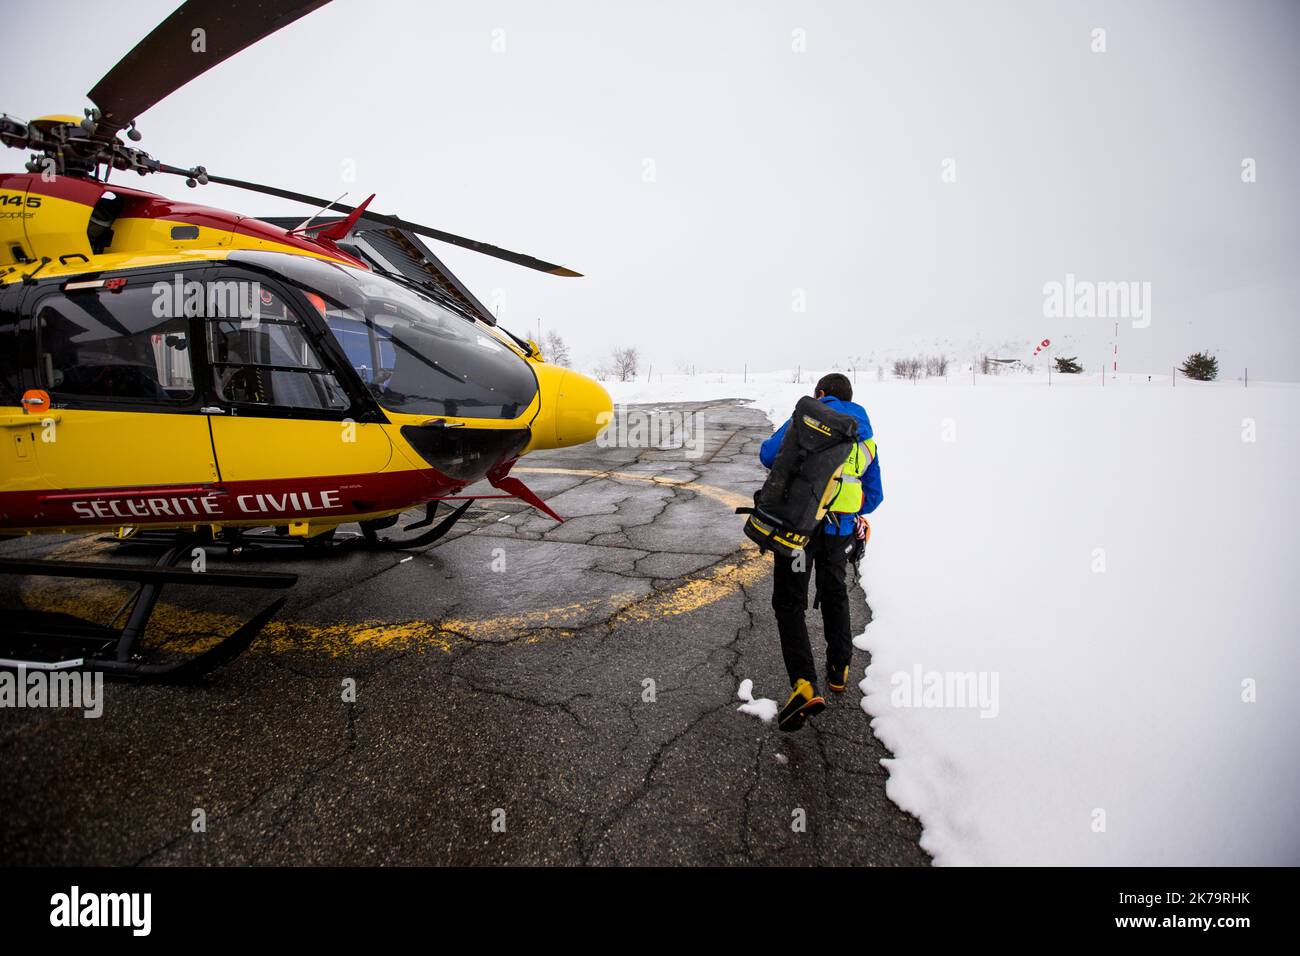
(872, 494)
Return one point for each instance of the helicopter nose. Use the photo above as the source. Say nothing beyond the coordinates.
(575, 409)
(584, 409)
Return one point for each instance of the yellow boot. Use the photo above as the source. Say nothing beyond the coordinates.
(804, 702)
(837, 678)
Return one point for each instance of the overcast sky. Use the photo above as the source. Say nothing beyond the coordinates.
(713, 166)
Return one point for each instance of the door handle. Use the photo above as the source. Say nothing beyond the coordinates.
(212, 410)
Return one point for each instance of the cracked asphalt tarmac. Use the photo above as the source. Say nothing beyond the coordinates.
(503, 710)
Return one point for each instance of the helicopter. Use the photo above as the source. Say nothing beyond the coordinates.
(177, 375)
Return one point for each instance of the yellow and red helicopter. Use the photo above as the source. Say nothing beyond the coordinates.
(179, 373)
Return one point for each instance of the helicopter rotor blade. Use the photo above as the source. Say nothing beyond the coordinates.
(518, 258)
(166, 59)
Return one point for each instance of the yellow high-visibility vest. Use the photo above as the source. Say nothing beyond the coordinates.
(847, 498)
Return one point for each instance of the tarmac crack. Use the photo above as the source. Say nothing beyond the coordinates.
(588, 850)
(563, 705)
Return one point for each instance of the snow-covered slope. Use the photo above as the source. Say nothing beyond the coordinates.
(1114, 569)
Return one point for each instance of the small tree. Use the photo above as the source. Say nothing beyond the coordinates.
(909, 368)
(625, 361)
(1201, 366)
(555, 349)
(1068, 366)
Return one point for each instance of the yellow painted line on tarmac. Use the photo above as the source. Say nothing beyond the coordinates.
(194, 630)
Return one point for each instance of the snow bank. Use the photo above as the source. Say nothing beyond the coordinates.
(1084, 648)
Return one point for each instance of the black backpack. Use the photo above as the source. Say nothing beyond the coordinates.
(793, 500)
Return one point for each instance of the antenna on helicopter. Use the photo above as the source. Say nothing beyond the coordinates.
(319, 212)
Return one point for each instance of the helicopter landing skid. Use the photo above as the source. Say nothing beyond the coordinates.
(51, 641)
(371, 529)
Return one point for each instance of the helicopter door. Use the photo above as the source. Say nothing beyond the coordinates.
(18, 432)
(125, 407)
(279, 411)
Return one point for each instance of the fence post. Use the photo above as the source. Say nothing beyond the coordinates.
(1247, 378)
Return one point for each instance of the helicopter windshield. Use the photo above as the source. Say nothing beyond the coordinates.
(414, 355)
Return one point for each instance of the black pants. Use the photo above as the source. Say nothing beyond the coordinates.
(826, 556)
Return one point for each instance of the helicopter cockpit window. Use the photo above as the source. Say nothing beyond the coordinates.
(101, 344)
(414, 355)
(10, 360)
(263, 357)
(417, 357)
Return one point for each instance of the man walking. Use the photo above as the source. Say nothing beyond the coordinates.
(827, 552)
